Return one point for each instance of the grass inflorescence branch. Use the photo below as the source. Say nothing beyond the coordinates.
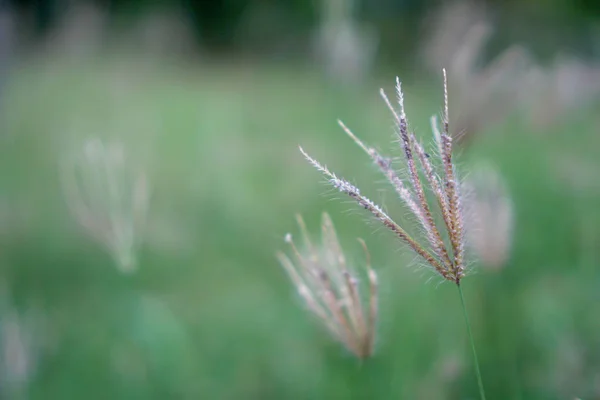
(424, 176)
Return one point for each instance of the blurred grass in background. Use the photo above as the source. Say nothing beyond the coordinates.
(210, 313)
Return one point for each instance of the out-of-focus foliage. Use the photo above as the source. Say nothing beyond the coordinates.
(225, 24)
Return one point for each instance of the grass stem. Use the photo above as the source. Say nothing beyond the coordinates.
(475, 358)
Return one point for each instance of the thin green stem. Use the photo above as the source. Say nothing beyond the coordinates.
(475, 358)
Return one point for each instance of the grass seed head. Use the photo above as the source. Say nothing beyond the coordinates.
(443, 245)
(330, 287)
(108, 198)
(490, 217)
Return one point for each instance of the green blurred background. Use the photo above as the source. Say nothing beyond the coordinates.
(209, 100)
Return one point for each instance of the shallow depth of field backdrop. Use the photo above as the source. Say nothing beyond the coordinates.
(149, 171)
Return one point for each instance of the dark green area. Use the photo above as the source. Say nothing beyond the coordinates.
(219, 25)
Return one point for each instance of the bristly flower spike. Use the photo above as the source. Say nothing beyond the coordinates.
(329, 287)
(424, 176)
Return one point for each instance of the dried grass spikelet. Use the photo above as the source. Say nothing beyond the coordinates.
(424, 174)
(108, 198)
(490, 218)
(329, 286)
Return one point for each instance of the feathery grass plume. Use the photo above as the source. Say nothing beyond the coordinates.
(446, 257)
(490, 216)
(108, 198)
(423, 175)
(329, 286)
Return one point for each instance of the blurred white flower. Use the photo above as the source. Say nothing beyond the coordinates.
(108, 197)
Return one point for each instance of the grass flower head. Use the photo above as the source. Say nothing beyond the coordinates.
(329, 286)
(108, 198)
(443, 245)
